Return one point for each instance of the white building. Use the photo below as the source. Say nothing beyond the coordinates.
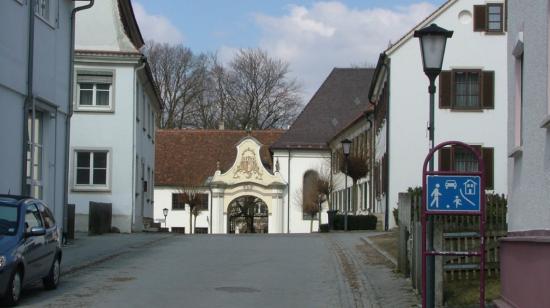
(113, 127)
(35, 61)
(471, 101)
(306, 148)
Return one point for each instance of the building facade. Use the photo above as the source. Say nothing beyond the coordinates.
(217, 181)
(35, 49)
(113, 128)
(525, 252)
(307, 149)
(471, 94)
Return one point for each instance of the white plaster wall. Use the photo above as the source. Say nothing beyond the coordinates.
(300, 162)
(102, 28)
(409, 103)
(529, 171)
(112, 131)
(51, 84)
(177, 218)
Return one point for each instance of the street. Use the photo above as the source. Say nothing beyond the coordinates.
(317, 270)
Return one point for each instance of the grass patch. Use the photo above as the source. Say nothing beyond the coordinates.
(388, 242)
(465, 293)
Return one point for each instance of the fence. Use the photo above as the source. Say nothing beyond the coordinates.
(451, 233)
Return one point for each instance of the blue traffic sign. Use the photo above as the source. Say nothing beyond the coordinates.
(453, 193)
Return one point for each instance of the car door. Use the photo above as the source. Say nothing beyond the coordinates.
(33, 245)
(50, 238)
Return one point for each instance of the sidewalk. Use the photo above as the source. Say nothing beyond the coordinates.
(87, 250)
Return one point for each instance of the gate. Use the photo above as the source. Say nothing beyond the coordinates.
(247, 214)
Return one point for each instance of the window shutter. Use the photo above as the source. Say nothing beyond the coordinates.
(488, 92)
(488, 160)
(445, 86)
(445, 163)
(480, 18)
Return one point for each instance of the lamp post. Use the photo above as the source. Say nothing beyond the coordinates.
(165, 213)
(346, 144)
(432, 45)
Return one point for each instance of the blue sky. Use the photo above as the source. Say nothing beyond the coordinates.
(312, 36)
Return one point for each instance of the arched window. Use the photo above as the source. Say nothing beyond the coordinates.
(310, 194)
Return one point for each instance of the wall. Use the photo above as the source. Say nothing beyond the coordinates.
(177, 218)
(51, 85)
(529, 171)
(300, 162)
(409, 103)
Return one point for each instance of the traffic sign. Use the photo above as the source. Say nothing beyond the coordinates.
(453, 193)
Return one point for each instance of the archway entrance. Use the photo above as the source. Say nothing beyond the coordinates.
(247, 214)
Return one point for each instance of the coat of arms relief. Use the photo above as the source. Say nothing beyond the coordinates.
(248, 166)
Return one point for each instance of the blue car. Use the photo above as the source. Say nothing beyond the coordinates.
(30, 246)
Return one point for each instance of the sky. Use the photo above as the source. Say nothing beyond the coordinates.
(312, 36)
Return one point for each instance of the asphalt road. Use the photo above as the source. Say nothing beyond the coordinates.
(318, 270)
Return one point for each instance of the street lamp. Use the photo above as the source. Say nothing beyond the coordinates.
(432, 45)
(346, 144)
(165, 213)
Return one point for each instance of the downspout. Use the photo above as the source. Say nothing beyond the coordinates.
(211, 204)
(29, 104)
(70, 97)
(387, 166)
(134, 175)
(288, 197)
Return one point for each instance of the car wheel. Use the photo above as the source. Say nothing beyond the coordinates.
(11, 298)
(52, 280)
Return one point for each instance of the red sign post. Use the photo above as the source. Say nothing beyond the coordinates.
(454, 193)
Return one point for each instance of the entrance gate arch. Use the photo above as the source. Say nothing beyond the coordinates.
(247, 214)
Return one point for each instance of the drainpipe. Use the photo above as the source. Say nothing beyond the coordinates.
(387, 166)
(29, 104)
(288, 197)
(143, 61)
(71, 91)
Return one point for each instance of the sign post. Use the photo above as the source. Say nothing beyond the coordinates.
(453, 193)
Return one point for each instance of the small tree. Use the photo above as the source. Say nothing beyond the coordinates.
(358, 168)
(325, 188)
(193, 198)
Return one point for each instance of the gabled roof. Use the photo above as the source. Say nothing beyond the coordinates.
(342, 97)
(130, 24)
(440, 10)
(188, 157)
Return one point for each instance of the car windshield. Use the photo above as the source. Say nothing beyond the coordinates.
(8, 219)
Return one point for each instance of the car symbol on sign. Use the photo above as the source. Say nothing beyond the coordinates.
(451, 184)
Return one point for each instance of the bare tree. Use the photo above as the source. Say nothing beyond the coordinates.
(357, 168)
(325, 187)
(181, 78)
(258, 93)
(193, 197)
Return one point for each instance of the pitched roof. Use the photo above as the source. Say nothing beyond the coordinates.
(130, 23)
(187, 157)
(342, 97)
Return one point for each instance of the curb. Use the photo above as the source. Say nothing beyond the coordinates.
(110, 256)
(380, 250)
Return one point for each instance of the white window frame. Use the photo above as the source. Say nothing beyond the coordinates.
(52, 19)
(94, 107)
(92, 187)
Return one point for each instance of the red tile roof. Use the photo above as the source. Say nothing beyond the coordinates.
(187, 157)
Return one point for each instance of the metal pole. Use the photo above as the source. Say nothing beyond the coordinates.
(430, 262)
(347, 197)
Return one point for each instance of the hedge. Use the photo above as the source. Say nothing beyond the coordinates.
(356, 222)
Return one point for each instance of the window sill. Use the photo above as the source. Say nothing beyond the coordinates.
(94, 110)
(545, 122)
(91, 189)
(515, 152)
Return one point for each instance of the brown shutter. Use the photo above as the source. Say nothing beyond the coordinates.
(488, 91)
(505, 15)
(488, 160)
(480, 18)
(445, 163)
(445, 86)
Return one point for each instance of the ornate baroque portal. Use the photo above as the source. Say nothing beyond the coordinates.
(247, 198)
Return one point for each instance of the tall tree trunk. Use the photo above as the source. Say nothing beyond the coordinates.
(311, 225)
(195, 220)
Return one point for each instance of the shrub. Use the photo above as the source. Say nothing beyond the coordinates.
(356, 222)
(396, 216)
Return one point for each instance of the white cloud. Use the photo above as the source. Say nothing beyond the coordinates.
(329, 34)
(156, 27)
